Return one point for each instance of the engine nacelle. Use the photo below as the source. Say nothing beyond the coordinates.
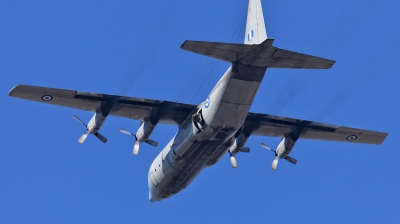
(96, 122)
(287, 143)
(238, 144)
(285, 147)
(145, 130)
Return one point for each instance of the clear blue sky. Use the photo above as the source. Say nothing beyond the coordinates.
(132, 48)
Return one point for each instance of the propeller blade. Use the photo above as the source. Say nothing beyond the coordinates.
(233, 162)
(152, 142)
(265, 146)
(136, 148)
(291, 159)
(100, 137)
(275, 163)
(125, 132)
(244, 149)
(80, 121)
(83, 137)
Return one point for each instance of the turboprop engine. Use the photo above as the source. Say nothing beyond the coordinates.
(282, 152)
(142, 135)
(286, 145)
(93, 127)
(237, 147)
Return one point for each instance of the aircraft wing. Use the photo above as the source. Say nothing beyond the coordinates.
(175, 113)
(127, 107)
(268, 125)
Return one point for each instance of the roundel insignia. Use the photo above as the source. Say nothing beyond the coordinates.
(207, 103)
(352, 138)
(47, 97)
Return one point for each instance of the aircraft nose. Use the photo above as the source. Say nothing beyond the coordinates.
(153, 197)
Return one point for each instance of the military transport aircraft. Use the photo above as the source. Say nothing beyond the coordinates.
(219, 125)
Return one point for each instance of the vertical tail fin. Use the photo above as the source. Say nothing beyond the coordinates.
(255, 26)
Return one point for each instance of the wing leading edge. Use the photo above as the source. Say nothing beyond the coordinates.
(127, 107)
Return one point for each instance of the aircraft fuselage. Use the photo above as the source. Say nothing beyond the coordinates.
(207, 133)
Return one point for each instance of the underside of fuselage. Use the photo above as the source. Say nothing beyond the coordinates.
(202, 154)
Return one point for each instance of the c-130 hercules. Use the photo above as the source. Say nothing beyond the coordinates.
(221, 124)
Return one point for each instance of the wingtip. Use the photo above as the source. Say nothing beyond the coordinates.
(329, 64)
(333, 63)
(384, 138)
(11, 92)
(182, 45)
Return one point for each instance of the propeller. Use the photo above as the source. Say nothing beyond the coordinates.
(233, 161)
(79, 120)
(135, 150)
(265, 146)
(275, 162)
(100, 137)
(291, 159)
(87, 132)
(276, 159)
(83, 137)
(233, 158)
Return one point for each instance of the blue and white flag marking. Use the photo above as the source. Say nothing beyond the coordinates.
(250, 35)
(207, 103)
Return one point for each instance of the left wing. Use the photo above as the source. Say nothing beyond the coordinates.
(268, 125)
(128, 107)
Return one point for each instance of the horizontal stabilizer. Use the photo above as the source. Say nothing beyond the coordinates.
(289, 59)
(222, 51)
(257, 55)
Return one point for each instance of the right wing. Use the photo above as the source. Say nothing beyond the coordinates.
(127, 107)
(274, 126)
